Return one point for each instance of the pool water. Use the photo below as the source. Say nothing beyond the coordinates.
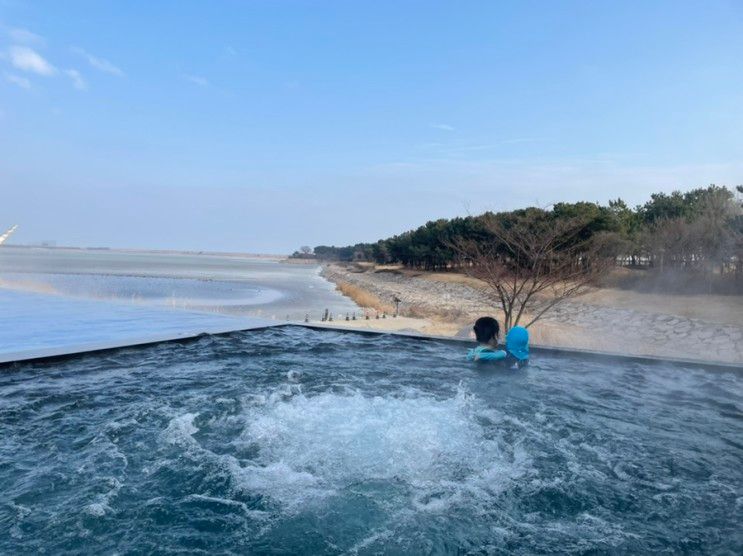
(289, 440)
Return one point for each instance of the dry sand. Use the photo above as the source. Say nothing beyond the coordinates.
(695, 327)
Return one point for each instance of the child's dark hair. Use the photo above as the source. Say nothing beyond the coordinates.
(486, 328)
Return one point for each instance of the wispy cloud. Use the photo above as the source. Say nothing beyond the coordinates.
(77, 80)
(443, 127)
(197, 80)
(21, 82)
(495, 145)
(27, 59)
(100, 64)
(24, 36)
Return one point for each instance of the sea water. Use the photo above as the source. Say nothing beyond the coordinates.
(65, 298)
(290, 440)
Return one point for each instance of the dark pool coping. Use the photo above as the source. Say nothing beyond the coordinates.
(56, 354)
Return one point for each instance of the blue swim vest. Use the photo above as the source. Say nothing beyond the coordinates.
(486, 353)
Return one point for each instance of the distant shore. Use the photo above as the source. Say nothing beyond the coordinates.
(608, 319)
(150, 251)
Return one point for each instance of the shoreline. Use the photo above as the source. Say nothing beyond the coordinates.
(144, 251)
(605, 319)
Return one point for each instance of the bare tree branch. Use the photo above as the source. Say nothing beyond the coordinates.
(533, 262)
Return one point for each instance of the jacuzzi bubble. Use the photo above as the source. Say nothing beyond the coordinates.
(329, 442)
(96, 509)
(180, 430)
(304, 449)
(293, 375)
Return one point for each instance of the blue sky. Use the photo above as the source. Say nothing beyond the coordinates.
(265, 125)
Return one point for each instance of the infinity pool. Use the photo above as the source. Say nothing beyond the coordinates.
(289, 440)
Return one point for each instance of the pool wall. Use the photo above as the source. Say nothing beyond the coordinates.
(53, 354)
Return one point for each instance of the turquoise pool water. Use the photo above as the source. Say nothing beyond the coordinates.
(289, 440)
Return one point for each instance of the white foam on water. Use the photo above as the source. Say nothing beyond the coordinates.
(370, 539)
(256, 514)
(290, 488)
(103, 505)
(22, 512)
(180, 430)
(96, 509)
(294, 375)
(311, 447)
(425, 454)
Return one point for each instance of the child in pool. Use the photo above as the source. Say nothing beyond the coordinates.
(517, 347)
(487, 330)
(486, 333)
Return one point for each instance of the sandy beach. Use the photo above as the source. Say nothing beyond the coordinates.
(682, 326)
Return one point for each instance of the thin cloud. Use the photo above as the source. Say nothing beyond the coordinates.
(24, 36)
(520, 140)
(21, 82)
(443, 127)
(27, 59)
(100, 64)
(77, 80)
(197, 80)
(489, 146)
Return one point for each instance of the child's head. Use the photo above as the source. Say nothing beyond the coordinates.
(517, 342)
(486, 330)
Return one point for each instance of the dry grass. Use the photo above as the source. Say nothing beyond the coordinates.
(448, 315)
(363, 298)
(388, 267)
(455, 278)
(417, 312)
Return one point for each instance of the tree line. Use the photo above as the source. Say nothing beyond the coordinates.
(697, 231)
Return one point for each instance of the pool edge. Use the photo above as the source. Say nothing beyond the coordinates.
(56, 354)
(541, 348)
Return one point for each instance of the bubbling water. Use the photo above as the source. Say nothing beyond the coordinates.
(388, 458)
(296, 441)
(299, 450)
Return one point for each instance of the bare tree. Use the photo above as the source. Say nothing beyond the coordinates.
(700, 243)
(670, 242)
(535, 262)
